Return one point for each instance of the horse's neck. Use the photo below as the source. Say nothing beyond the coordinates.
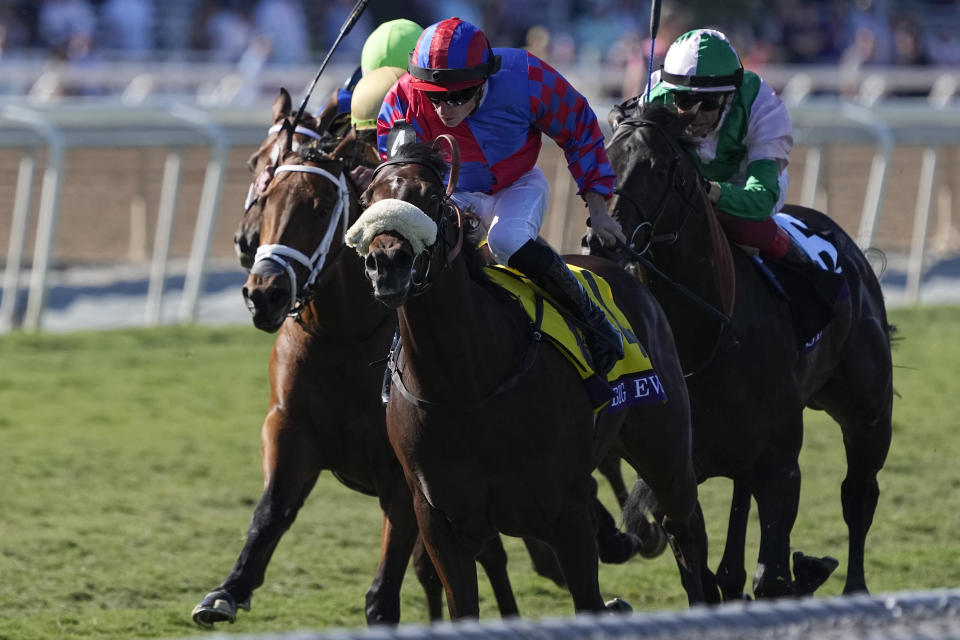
(458, 339)
(699, 261)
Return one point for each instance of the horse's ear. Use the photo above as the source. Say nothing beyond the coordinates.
(622, 111)
(282, 106)
(682, 120)
(286, 135)
(616, 116)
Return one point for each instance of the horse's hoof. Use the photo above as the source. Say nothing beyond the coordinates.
(809, 572)
(618, 605)
(620, 547)
(217, 606)
(654, 543)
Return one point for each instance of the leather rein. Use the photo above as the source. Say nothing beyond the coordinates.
(675, 185)
(532, 349)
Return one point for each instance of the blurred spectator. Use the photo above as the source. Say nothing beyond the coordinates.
(335, 14)
(223, 29)
(674, 21)
(284, 24)
(864, 16)
(128, 25)
(602, 23)
(16, 25)
(943, 46)
(66, 25)
(537, 42)
(806, 35)
(907, 40)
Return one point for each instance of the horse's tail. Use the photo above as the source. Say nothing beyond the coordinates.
(639, 518)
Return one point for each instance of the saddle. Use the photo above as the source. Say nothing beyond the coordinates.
(811, 294)
(632, 381)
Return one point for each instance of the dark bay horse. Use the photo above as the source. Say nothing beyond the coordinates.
(748, 381)
(495, 431)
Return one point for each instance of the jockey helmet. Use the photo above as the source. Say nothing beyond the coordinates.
(702, 60)
(451, 55)
(389, 45)
(368, 96)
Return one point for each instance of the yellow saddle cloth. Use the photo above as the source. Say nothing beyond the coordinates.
(631, 382)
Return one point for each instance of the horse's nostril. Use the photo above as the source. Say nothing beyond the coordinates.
(403, 260)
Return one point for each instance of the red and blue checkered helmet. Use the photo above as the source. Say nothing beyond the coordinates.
(451, 55)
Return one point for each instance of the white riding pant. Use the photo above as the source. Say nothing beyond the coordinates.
(512, 215)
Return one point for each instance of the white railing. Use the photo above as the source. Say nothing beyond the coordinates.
(239, 85)
(53, 129)
(175, 129)
(918, 615)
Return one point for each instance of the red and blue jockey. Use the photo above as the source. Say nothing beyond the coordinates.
(497, 103)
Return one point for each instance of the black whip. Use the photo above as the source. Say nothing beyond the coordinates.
(344, 30)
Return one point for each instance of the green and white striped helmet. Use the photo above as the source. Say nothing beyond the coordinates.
(702, 60)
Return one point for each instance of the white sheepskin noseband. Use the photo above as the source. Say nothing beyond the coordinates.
(398, 216)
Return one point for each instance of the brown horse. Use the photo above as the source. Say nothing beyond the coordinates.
(748, 381)
(495, 431)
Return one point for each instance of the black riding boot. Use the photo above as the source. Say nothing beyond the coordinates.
(387, 373)
(542, 265)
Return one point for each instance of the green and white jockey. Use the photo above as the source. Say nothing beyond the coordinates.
(740, 137)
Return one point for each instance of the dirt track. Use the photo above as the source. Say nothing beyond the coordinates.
(99, 224)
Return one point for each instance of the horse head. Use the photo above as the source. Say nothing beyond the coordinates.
(407, 212)
(246, 239)
(303, 208)
(658, 184)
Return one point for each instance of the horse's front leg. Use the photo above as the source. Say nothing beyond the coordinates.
(575, 543)
(778, 497)
(398, 535)
(290, 470)
(731, 574)
(493, 559)
(455, 562)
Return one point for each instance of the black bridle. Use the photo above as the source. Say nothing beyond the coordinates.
(676, 185)
(447, 212)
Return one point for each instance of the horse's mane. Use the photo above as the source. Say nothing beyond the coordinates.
(424, 154)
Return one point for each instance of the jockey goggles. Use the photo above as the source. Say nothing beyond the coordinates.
(708, 101)
(453, 98)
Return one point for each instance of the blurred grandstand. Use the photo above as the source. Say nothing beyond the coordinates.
(239, 51)
(141, 113)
